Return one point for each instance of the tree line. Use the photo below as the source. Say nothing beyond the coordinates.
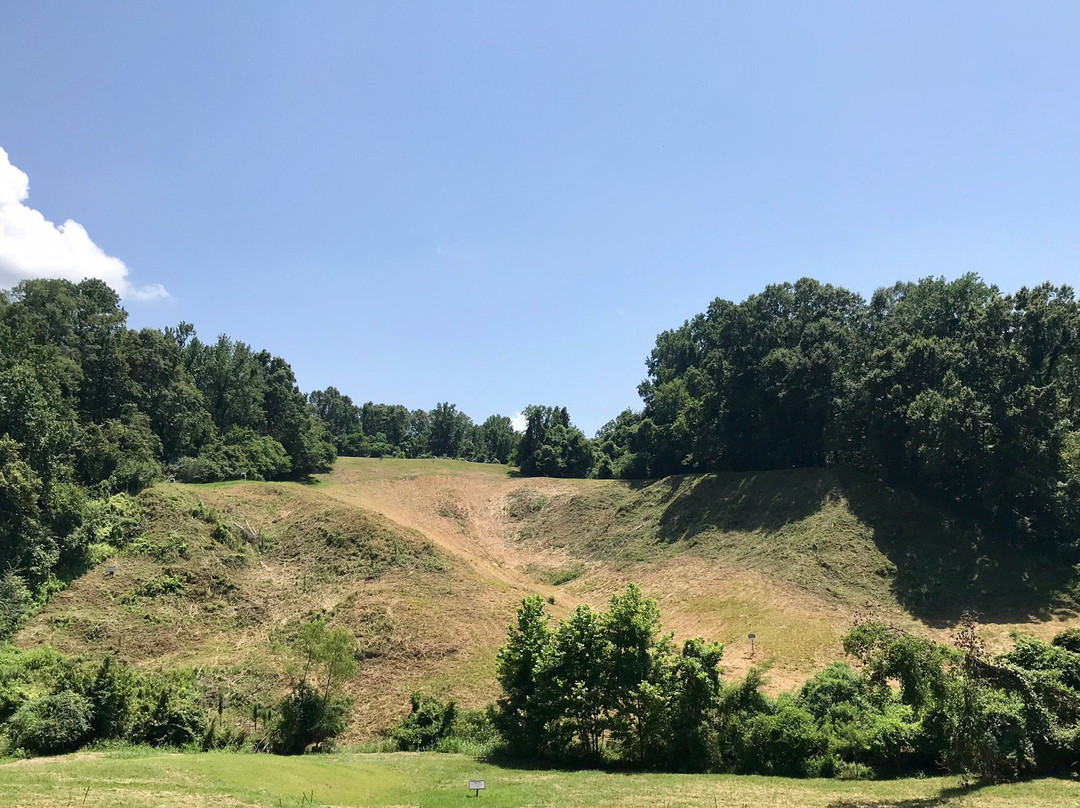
(91, 409)
(549, 446)
(951, 388)
(393, 430)
(607, 687)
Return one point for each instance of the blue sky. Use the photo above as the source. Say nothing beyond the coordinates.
(499, 204)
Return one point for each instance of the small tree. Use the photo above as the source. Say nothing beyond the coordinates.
(519, 717)
(308, 717)
(573, 681)
(632, 625)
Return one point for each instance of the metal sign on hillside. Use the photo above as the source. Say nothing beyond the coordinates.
(477, 786)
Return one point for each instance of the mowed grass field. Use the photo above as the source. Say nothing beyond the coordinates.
(431, 780)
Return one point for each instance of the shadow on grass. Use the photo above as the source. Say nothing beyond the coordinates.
(947, 796)
(948, 563)
(748, 501)
(943, 562)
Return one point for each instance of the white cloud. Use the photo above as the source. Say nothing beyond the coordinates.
(519, 422)
(33, 247)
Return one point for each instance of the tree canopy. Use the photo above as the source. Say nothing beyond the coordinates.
(607, 686)
(392, 430)
(950, 387)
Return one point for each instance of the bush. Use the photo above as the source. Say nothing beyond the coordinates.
(306, 720)
(50, 725)
(990, 737)
(201, 469)
(428, 722)
(837, 684)
(885, 742)
(223, 737)
(112, 694)
(16, 601)
(240, 453)
(167, 715)
(473, 733)
(115, 521)
(782, 743)
(1069, 639)
(1055, 659)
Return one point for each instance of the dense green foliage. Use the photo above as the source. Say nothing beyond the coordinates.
(90, 409)
(604, 679)
(552, 446)
(51, 703)
(392, 430)
(607, 686)
(948, 386)
(435, 725)
(429, 721)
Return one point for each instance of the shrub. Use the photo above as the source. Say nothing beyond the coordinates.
(1056, 659)
(112, 694)
(240, 453)
(473, 733)
(782, 743)
(50, 725)
(202, 469)
(884, 742)
(1069, 639)
(836, 684)
(428, 722)
(990, 736)
(306, 720)
(166, 714)
(223, 737)
(114, 521)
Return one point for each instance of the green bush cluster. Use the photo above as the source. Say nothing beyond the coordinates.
(308, 719)
(435, 725)
(429, 721)
(50, 704)
(606, 687)
(312, 714)
(240, 453)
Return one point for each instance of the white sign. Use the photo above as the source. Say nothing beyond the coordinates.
(477, 785)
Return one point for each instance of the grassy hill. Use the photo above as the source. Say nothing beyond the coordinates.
(426, 561)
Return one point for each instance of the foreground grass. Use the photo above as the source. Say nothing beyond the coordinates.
(159, 780)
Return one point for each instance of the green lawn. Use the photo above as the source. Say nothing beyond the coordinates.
(112, 780)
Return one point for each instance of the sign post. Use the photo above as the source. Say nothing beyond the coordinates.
(477, 786)
(752, 638)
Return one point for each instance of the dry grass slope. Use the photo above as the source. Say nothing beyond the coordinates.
(426, 561)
